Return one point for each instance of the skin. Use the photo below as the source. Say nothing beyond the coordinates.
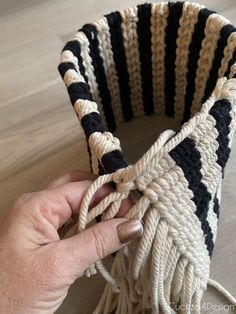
(37, 265)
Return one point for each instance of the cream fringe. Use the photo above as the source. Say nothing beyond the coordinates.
(167, 267)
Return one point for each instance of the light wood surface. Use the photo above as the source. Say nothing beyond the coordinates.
(40, 137)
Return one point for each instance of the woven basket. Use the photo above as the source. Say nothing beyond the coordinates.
(174, 59)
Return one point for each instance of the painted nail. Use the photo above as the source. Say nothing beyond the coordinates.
(129, 230)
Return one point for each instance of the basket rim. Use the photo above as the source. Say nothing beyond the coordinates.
(222, 89)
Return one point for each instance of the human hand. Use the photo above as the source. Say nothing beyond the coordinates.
(37, 267)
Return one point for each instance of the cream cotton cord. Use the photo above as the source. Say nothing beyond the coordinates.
(86, 217)
(155, 241)
(222, 291)
(172, 59)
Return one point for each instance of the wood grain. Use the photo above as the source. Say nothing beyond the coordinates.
(40, 137)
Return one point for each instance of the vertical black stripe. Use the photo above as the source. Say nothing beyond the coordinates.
(75, 48)
(219, 54)
(114, 21)
(231, 62)
(99, 72)
(216, 206)
(145, 46)
(188, 158)
(221, 113)
(194, 53)
(90, 155)
(175, 12)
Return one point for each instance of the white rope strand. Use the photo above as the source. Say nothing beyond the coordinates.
(222, 291)
(165, 59)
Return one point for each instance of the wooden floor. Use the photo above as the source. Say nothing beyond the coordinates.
(40, 137)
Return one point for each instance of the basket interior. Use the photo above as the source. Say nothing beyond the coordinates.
(159, 59)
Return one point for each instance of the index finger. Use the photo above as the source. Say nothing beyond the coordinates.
(59, 204)
(70, 193)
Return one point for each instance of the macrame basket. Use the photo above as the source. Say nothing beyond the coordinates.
(174, 59)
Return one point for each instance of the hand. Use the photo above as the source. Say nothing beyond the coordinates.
(36, 266)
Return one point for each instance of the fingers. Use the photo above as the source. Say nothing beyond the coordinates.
(59, 204)
(72, 176)
(55, 206)
(95, 243)
(52, 208)
(73, 193)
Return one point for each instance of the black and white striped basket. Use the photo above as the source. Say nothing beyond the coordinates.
(174, 59)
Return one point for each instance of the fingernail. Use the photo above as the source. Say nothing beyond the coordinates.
(129, 230)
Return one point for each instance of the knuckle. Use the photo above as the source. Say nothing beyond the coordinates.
(47, 275)
(73, 174)
(100, 243)
(55, 265)
(24, 198)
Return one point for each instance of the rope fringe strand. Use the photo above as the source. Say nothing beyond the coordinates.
(175, 59)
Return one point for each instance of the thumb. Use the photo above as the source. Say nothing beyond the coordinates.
(98, 241)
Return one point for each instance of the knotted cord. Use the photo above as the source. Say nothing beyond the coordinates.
(140, 177)
(127, 180)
